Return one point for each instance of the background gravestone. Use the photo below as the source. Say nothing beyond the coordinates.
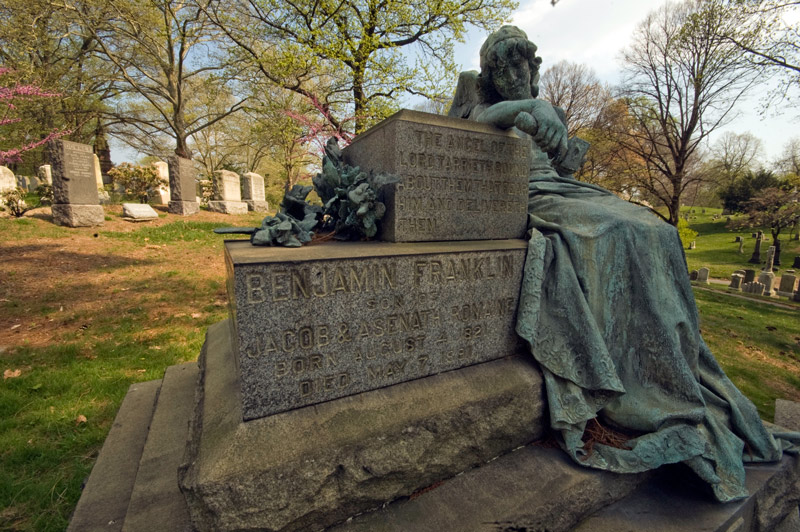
(7, 180)
(228, 189)
(75, 196)
(702, 275)
(253, 193)
(161, 195)
(787, 284)
(45, 174)
(182, 187)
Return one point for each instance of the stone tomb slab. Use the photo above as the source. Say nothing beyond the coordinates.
(459, 180)
(335, 319)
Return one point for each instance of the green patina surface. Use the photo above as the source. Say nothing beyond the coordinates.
(606, 305)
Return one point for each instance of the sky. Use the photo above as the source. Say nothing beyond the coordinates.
(594, 32)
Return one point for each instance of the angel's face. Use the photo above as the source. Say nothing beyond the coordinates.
(512, 77)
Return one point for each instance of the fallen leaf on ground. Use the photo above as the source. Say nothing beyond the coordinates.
(16, 326)
(11, 374)
(196, 315)
(80, 419)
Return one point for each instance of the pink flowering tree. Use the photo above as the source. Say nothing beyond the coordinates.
(11, 97)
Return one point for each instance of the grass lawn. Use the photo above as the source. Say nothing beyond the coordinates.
(86, 312)
(717, 250)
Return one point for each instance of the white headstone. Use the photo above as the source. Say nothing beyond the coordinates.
(253, 187)
(7, 179)
(45, 174)
(162, 195)
(702, 275)
(228, 185)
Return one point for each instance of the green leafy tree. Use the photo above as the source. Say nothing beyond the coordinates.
(736, 196)
(138, 181)
(161, 55)
(354, 57)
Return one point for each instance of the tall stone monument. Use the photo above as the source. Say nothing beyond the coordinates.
(182, 187)
(766, 277)
(253, 193)
(756, 257)
(76, 201)
(228, 192)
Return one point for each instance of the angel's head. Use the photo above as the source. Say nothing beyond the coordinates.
(509, 67)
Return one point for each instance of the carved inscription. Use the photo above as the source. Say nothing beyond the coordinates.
(78, 161)
(458, 180)
(456, 173)
(314, 331)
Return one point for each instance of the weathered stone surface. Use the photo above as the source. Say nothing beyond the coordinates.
(72, 215)
(161, 195)
(184, 208)
(672, 502)
(530, 489)
(139, 211)
(104, 500)
(334, 319)
(693, 275)
(253, 187)
(228, 207)
(7, 179)
(156, 494)
(459, 180)
(181, 180)
(257, 206)
(45, 174)
(787, 414)
(736, 282)
(229, 187)
(73, 173)
(787, 285)
(753, 288)
(312, 467)
(749, 276)
(702, 275)
(767, 278)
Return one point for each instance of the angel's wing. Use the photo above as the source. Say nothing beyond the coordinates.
(466, 96)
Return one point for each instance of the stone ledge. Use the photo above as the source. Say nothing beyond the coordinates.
(104, 500)
(312, 467)
(72, 215)
(184, 208)
(228, 207)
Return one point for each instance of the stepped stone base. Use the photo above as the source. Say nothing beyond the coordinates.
(257, 206)
(73, 215)
(312, 467)
(134, 484)
(184, 208)
(228, 207)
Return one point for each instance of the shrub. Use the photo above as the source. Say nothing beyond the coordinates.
(138, 181)
(15, 202)
(686, 233)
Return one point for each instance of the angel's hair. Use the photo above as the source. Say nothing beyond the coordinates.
(504, 44)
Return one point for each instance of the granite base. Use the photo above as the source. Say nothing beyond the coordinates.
(257, 206)
(228, 207)
(184, 208)
(315, 466)
(72, 215)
